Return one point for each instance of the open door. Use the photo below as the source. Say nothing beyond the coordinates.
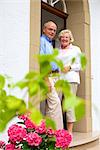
(55, 14)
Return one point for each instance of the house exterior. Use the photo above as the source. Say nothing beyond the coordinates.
(20, 30)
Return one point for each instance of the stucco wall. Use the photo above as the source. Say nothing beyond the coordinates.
(95, 61)
(14, 40)
(14, 37)
(78, 22)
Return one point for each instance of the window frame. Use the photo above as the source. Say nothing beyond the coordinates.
(54, 11)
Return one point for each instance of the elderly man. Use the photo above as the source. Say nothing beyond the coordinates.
(53, 104)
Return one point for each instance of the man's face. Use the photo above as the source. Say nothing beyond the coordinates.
(50, 30)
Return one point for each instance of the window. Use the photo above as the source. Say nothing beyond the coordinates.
(59, 4)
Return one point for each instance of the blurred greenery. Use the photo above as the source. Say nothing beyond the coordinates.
(34, 83)
(83, 61)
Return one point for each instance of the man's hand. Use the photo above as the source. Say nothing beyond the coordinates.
(48, 83)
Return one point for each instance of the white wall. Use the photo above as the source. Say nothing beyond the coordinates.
(95, 61)
(14, 37)
(14, 40)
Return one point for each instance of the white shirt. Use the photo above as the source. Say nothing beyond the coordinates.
(66, 56)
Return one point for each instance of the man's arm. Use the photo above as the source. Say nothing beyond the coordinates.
(42, 46)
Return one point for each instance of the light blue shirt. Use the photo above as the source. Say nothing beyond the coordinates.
(47, 48)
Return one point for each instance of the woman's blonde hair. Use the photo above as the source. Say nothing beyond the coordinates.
(66, 31)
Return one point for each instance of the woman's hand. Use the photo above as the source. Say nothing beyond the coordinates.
(66, 69)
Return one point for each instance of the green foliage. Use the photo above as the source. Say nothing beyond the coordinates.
(2, 82)
(36, 116)
(63, 86)
(50, 123)
(34, 82)
(76, 103)
(10, 105)
(25, 146)
(73, 60)
(45, 62)
(70, 100)
(79, 108)
(83, 61)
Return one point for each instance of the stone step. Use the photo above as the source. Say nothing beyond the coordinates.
(86, 141)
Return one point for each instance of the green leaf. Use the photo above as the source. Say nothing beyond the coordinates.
(51, 146)
(73, 60)
(5, 116)
(35, 115)
(2, 93)
(58, 149)
(53, 139)
(64, 86)
(21, 84)
(76, 103)
(25, 146)
(45, 62)
(50, 123)
(22, 109)
(31, 75)
(83, 61)
(69, 102)
(80, 108)
(33, 88)
(2, 82)
(13, 103)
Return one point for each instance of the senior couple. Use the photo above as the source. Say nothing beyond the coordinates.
(70, 72)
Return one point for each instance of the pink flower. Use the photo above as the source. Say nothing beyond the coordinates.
(63, 139)
(10, 147)
(2, 144)
(33, 139)
(50, 132)
(16, 133)
(36, 137)
(23, 117)
(41, 128)
(29, 124)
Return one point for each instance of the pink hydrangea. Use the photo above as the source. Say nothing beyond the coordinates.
(23, 117)
(50, 132)
(63, 138)
(41, 128)
(16, 133)
(36, 136)
(33, 139)
(10, 147)
(29, 124)
(2, 144)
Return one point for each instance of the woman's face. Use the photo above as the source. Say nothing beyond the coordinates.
(65, 40)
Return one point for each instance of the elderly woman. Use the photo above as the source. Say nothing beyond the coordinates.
(67, 52)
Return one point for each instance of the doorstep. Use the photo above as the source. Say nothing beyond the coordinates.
(84, 138)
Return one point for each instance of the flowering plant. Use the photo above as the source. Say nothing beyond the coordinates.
(29, 136)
